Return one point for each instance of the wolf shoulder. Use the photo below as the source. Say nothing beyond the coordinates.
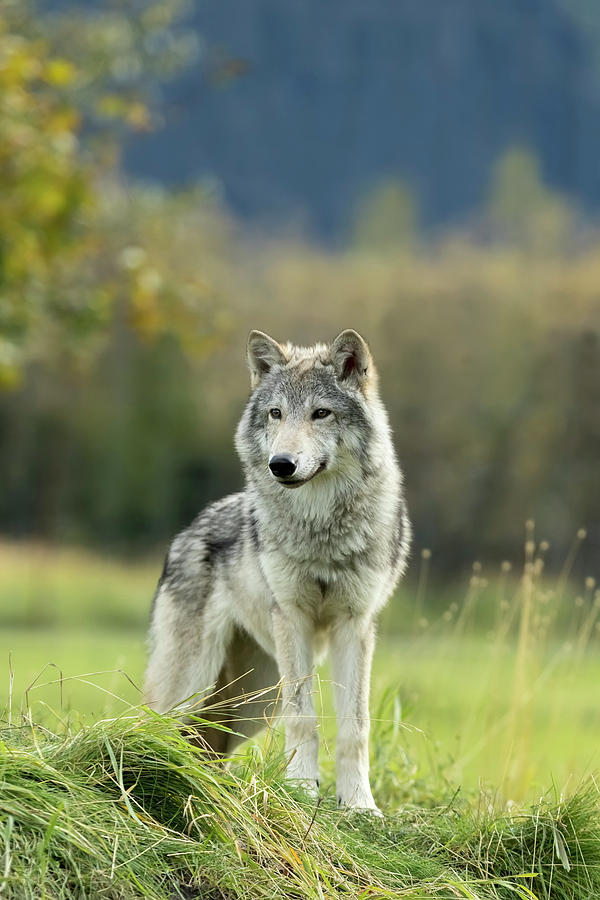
(211, 549)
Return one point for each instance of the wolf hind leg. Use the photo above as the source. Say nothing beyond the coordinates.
(187, 651)
(246, 696)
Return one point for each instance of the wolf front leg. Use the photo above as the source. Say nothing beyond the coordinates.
(295, 653)
(352, 642)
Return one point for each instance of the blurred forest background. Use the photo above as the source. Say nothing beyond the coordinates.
(172, 176)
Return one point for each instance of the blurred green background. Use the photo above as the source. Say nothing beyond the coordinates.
(124, 310)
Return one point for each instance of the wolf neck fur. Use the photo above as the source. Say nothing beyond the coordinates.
(335, 515)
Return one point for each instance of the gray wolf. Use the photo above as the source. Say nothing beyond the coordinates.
(263, 581)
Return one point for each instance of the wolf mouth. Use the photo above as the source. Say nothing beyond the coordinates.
(294, 483)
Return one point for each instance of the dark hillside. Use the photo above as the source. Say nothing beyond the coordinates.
(298, 108)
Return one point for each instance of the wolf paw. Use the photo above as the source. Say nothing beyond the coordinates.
(359, 808)
(359, 800)
(309, 785)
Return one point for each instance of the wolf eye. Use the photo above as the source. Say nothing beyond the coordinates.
(321, 413)
(275, 413)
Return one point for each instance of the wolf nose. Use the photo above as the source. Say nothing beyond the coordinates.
(283, 465)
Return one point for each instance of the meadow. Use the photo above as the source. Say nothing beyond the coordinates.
(485, 721)
(492, 682)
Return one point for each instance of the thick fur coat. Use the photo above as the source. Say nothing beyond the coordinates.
(264, 581)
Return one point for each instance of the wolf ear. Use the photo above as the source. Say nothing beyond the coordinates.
(351, 358)
(263, 354)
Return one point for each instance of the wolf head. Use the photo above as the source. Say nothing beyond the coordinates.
(312, 411)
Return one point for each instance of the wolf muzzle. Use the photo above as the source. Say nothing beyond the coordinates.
(283, 465)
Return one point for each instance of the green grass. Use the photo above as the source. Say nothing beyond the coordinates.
(49, 587)
(127, 808)
(451, 701)
(489, 706)
(481, 701)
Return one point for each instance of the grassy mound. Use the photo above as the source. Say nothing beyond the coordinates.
(128, 809)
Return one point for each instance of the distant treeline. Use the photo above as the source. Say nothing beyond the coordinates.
(124, 313)
(490, 368)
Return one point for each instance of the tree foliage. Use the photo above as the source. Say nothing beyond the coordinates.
(386, 218)
(523, 211)
(78, 247)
